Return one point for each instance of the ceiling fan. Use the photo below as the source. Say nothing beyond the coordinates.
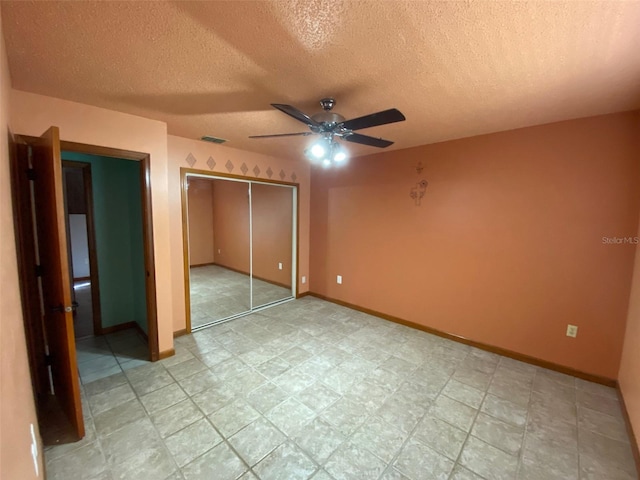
(330, 125)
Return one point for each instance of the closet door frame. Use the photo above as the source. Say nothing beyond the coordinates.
(184, 174)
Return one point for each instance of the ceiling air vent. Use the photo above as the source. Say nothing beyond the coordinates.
(209, 138)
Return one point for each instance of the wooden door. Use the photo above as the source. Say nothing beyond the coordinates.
(26, 251)
(56, 279)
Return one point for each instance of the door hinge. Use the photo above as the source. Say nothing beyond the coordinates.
(39, 270)
(31, 174)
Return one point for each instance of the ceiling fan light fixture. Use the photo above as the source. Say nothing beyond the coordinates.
(339, 153)
(318, 150)
(329, 124)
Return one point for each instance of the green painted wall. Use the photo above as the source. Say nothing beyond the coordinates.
(117, 210)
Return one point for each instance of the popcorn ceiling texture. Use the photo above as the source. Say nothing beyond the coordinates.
(455, 69)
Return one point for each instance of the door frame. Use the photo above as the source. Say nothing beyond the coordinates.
(144, 160)
(185, 229)
(91, 240)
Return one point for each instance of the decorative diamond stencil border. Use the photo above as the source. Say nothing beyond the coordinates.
(294, 177)
(269, 172)
(191, 160)
(211, 163)
(256, 171)
(282, 174)
(244, 169)
(229, 166)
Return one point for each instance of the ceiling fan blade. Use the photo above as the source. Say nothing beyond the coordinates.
(295, 113)
(302, 134)
(380, 118)
(367, 140)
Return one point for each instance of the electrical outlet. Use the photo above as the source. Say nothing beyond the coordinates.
(572, 331)
(280, 266)
(339, 279)
(304, 280)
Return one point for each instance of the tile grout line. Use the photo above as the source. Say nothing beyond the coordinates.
(526, 425)
(475, 417)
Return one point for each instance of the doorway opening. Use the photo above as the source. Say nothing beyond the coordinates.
(82, 247)
(106, 252)
(60, 211)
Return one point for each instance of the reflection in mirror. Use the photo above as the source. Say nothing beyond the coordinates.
(272, 239)
(219, 249)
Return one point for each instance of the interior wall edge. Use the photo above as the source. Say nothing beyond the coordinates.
(166, 354)
(538, 362)
(18, 406)
(633, 440)
(180, 333)
(628, 374)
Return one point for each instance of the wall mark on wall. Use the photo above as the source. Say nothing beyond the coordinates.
(229, 166)
(419, 167)
(417, 192)
(256, 171)
(294, 177)
(282, 174)
(269, 172)
(212, 163)
(191, 160)
(244, 169)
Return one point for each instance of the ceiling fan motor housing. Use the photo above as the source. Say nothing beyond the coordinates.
(328, 117)
(327, 103)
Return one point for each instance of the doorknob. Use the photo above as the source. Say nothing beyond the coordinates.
(61, 308)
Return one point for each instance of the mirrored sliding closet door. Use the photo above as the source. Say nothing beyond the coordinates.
(272, 243)
(240, 246)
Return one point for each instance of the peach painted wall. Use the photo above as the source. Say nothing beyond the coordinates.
(17, 408)
(271, 218)
(200, 201)
(32, 114)
(629, 376)
(231, 224)
(187, 153)
(272, 208)
(506, 247)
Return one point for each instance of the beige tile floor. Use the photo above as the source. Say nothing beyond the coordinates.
(83, 317)
(100, 357)
(309, 389)
(218, 293)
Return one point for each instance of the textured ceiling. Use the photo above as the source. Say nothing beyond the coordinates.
(455, 69)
